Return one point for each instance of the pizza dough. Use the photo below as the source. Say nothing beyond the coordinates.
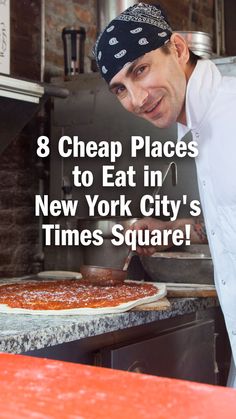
(59, 275)
(63, 293)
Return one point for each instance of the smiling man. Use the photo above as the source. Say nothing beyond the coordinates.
(154, 75)
(158, 99)
(146, 65)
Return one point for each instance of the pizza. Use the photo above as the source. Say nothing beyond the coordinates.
(75, 296)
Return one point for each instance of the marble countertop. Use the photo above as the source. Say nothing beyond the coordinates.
(21, 333)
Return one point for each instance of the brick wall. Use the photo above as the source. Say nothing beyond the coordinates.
(18, 179)
(25, 38)
(191, 15)
(18, 227)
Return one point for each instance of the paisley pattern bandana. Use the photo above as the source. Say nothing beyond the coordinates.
(139, 29)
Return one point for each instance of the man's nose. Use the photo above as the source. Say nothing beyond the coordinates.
(138, 98)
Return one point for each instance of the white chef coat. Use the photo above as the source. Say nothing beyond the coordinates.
(211, 117)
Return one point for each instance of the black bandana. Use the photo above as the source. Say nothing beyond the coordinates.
(138, 30)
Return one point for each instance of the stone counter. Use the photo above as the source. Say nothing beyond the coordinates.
(21, 333)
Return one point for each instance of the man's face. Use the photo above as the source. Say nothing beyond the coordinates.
(153, 87)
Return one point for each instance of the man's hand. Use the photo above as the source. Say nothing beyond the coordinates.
(150, 224)
(197, 235)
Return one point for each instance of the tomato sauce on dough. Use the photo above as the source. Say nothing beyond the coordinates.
(71, 294)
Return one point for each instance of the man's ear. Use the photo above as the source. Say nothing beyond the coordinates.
(180, 47)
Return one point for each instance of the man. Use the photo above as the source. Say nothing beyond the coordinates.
(153, 74)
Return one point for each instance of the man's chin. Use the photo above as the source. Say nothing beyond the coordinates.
(160, 123)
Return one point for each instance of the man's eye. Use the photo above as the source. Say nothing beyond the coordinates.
(140, 70)
(119, 90)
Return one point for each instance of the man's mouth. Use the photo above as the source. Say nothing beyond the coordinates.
(152, 109)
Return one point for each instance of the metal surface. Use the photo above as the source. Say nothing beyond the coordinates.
(109, 9)
(106, 255)
(55, 91)
(88, 350)
(186, 353)
(28, 91)
(103, 276)
(84, 350)
(172, 166)
(127, 260)
(192, 265)
(108, 275)
(105, 224)
(199, 42)
(22, 99)
(219, 27)
(217, 33)
(20, 89)
(73, 44)
(226, 65)
(42, 42)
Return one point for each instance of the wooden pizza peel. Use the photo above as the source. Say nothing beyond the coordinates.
(190, 290)
(162, 304)
(178, 290)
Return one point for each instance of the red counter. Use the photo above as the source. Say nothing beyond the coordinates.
(41, 388)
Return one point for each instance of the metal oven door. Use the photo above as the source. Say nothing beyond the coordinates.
(185, 353)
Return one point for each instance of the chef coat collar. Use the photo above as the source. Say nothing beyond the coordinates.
(201, 90)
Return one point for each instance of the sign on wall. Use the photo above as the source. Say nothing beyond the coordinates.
(5, 36)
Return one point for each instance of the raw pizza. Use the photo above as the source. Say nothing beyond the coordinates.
(75, 297)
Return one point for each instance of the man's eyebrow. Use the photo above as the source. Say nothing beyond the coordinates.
(114, 85)
(131, 67)
(128, 71)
